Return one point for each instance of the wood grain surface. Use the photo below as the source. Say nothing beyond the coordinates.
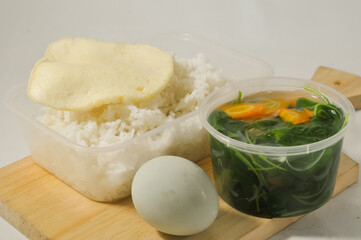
(346, 83)
(42, 207)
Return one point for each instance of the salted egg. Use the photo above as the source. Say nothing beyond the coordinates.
(175, 196)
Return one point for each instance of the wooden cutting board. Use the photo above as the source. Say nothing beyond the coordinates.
(42, 207)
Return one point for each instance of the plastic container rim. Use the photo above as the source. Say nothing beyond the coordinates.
(189, 36)
(209, 102)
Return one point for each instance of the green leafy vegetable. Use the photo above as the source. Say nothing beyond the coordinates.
(238, 100)
(302, 103)
(323, 97)
(274, 186)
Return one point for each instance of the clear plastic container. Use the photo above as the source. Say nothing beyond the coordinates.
(105, 173)
(274, 181)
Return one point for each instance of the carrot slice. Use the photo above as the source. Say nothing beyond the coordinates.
(308, 112)
(243, 110)
(293, 116)
(273, 105)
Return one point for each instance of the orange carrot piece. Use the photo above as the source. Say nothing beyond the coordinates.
(273, 105)
(293, 116)
(309, 113)
(243, 110)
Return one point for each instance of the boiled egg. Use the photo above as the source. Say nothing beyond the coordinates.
(175, 196)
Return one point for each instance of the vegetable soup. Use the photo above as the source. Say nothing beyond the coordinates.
(268, 186)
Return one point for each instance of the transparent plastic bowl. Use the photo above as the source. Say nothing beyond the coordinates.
(105, 173)
(293, 180)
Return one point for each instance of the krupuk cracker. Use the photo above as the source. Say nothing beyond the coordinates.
(82, 74)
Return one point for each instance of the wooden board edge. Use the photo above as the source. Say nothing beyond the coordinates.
(19, 223)
(271, 227)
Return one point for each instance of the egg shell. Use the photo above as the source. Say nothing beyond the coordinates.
(175, 196)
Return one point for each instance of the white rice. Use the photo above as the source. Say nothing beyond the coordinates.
(194, 79)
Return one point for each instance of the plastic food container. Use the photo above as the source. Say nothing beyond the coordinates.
(293, 180)
(105, 173)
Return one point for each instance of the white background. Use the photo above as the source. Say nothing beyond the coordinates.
(295, 37)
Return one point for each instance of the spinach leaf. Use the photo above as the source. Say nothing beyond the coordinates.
(228, 126)
(302, 103)
(329, 112)
(274, 186)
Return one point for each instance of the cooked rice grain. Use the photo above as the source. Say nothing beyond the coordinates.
(193, 80)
